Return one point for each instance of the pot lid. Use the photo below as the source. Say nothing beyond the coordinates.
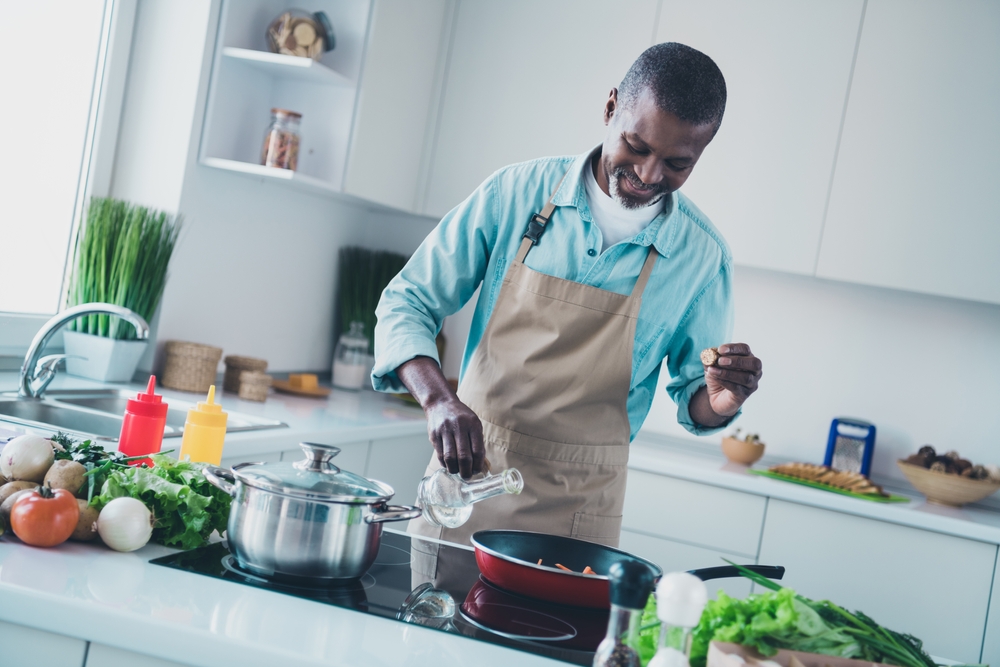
(313, 478)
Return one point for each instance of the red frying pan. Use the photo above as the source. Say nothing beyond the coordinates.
(508, 559)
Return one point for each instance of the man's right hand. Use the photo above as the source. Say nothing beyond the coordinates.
(453, 428)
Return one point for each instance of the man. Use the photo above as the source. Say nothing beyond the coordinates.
(615, 273)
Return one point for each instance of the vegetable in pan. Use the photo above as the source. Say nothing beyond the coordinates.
(586, 570)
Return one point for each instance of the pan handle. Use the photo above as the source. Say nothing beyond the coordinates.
(728, 571)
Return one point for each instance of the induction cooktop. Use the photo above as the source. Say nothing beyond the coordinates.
(460, 603)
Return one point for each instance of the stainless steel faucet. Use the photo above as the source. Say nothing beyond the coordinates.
(36, 374)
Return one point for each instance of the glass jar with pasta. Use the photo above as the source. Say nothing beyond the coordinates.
(281, 141)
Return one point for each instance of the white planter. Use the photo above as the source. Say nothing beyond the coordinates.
(100, 358)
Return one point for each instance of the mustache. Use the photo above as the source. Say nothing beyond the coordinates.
(635, 181)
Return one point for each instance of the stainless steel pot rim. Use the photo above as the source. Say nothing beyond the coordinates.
(386, 491)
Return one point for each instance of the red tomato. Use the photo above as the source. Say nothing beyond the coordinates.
(45, 518)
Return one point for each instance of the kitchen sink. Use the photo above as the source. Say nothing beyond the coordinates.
(98, 413)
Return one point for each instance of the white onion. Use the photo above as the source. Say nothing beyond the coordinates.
(125, 524)
(26, 457)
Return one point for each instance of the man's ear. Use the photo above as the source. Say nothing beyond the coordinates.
(611, 106)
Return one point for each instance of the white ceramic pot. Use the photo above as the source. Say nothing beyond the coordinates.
(100, 358)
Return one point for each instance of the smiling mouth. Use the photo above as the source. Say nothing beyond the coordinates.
(636, 185)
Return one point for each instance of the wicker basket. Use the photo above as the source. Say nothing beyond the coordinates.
(254, 385)
(190, 366)
(944, 488)
(236, 365)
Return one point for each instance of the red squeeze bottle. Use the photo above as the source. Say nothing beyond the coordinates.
(142, 429)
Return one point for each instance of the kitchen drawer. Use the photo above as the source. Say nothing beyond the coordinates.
(353, 456)
(991, 645)
(400, 463)
(697, 514)
(675, 556)
(21, 646)
(100, 655)
(930, 585)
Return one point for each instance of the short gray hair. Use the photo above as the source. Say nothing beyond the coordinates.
(683, 81)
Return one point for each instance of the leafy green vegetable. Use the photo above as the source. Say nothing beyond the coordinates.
(97, 460)
(186, 508)
(781, 619)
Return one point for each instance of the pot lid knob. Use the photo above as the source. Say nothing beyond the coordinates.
(318, 457)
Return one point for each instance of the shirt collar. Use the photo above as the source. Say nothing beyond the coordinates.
(573, 192)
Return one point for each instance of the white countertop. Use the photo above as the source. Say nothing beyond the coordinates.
(697, 462)
(92, 593)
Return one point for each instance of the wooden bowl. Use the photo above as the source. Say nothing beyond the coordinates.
(944, 488)
(742, 452)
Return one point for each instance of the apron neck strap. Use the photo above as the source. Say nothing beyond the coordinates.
(647, 271)
(536, 224)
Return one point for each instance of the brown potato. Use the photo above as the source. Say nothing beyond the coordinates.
(8, 505)
(10, 488)
(65, 475)
(86, 526)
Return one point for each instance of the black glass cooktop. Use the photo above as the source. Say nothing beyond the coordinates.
(458, 601)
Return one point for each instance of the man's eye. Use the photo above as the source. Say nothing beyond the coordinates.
(635, 150)
(676, 167)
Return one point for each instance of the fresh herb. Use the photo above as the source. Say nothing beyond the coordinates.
(186, 508)
(363, 275)
(97, 460)
(781, 619)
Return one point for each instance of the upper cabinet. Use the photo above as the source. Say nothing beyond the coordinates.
(913, 204)
(528, 79)
(764, 179)
(397, 102)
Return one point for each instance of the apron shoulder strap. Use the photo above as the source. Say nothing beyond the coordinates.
(647, 271)
(536, 224)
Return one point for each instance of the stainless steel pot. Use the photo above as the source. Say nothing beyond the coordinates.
(307, 519)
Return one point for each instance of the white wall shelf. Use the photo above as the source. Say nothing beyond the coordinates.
(248, 81)
(288, 67)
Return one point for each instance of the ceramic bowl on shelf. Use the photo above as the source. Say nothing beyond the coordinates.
(944, 488)
(741, 451)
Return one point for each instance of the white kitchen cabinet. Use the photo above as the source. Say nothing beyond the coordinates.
(991, 640)
(930, 585)
(912, 203)
(676, 556)
(397, 101)
(400, 463)
(528, 79)
(764, 179)
(697, 514)
(21, 646)
(101, 655)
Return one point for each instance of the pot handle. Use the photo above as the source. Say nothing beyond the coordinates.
(728, 571)
(220, 478)
(393, 513)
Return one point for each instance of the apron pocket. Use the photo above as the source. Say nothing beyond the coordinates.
(597, 528)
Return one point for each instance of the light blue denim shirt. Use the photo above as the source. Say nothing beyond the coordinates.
(686, 307)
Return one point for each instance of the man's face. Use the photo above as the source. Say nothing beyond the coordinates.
(647, 152)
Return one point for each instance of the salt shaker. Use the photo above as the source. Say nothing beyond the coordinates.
(680, 599)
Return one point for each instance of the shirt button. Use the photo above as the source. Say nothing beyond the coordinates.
(591, 252)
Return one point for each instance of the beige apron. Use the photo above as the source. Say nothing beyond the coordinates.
(550, 381)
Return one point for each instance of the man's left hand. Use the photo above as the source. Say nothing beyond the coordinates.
(730, 383)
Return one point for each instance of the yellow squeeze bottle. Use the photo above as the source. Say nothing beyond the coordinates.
(204, 431)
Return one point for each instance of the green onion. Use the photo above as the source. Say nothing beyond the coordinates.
(122, 254)
(364, 274)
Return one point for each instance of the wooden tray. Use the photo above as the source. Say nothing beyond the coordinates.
(826, 487)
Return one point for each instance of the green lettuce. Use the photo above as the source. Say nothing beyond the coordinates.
(186, 508)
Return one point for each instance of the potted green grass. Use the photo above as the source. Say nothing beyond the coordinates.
(122, 254)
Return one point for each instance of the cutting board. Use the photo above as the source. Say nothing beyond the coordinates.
(826, 487)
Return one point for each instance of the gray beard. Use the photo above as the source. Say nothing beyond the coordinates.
(621, 198)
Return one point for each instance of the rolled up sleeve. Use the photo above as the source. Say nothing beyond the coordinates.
(440, 277)
(708, 323)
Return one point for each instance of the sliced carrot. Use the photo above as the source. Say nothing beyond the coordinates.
(587, 570)
(563, 567)
(539, 561)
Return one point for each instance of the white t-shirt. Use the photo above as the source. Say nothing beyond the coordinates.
(616, 223)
